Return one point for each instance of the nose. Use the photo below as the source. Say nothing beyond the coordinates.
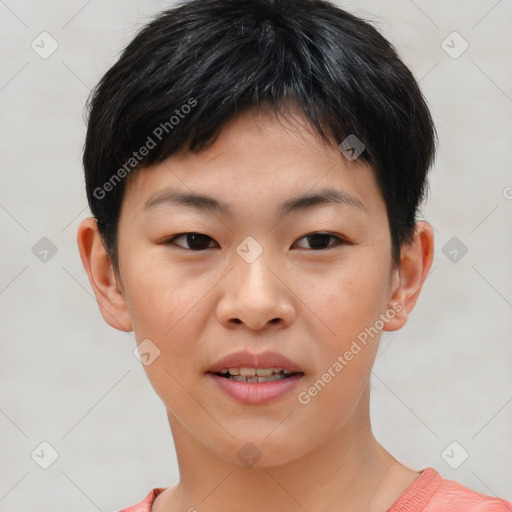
(257, 295)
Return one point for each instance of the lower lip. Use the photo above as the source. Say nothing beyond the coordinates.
(256, 392)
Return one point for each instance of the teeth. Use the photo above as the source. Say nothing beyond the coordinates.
(267, 378)
(255, 372)
(264, 372)
(245, 374)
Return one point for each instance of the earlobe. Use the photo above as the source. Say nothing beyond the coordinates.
(102, 277)
(415, 262)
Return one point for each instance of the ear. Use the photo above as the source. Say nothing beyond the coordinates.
(407, 280)
(104, 281)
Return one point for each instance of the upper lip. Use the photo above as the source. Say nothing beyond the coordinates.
(246, 359)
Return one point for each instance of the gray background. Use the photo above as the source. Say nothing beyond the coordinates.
(71, 380)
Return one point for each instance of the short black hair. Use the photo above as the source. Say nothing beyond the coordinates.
(199, 64)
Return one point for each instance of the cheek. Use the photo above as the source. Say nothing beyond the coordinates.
(162, 310)
(346, 303)
(167, 308)
(156, 307)
(157, 298)
(348, 298)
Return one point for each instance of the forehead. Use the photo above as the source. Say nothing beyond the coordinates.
(255, 158)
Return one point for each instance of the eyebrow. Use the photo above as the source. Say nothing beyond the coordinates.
(325, 197)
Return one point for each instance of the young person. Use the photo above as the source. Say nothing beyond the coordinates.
(255, 169)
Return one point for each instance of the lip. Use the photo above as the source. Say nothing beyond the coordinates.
(256, 393)
(248, 360)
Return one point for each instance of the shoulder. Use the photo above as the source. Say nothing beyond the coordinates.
(454, 497)
(432, 493)
(145, 504)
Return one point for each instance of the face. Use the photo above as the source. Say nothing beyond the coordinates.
(306, 282)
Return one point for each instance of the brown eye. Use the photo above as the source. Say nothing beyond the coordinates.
(195, 241)
(320, 241)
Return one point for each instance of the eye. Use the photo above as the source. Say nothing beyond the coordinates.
(321, 240)
(198, 242)
(195, 241)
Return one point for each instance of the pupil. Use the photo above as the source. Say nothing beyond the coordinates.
(197, 241)
(316, 240)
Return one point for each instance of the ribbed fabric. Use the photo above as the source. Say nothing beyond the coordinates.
(430, 492)
(419, 493)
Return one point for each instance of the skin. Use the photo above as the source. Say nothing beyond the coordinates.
(306, 303)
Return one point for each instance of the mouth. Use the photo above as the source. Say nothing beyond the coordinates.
(251, 375)
(256, 379)
(254, 389)
(248, 365)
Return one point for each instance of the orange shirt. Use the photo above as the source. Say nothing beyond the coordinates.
(430, 492)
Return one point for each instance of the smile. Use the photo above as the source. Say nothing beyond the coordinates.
(253, 388)
(255, 374)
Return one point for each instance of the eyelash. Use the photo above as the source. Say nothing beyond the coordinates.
(339, 240)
